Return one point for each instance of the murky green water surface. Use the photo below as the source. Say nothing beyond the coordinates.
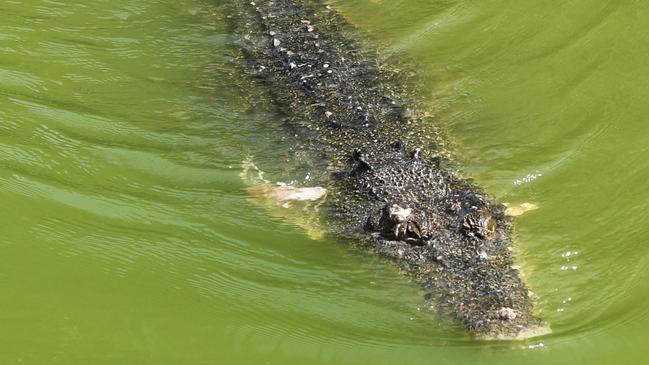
(127, 236)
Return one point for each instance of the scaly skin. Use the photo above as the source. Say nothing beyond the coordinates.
(407, 204)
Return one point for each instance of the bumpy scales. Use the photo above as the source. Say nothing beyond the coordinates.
(390, 183)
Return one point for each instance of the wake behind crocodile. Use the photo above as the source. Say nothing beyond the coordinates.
(390, 183)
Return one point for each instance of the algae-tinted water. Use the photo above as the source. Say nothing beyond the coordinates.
(128, 237)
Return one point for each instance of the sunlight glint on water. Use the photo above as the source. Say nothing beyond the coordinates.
(128, 236)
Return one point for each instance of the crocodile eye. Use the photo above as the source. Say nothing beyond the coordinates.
(490, 225)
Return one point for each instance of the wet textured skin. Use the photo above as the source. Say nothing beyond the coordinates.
(390, 183)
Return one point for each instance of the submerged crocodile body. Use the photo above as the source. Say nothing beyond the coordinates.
(390, 184)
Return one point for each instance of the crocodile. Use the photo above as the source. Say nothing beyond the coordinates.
(392, 184)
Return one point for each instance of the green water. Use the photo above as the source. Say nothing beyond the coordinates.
(128, 238)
